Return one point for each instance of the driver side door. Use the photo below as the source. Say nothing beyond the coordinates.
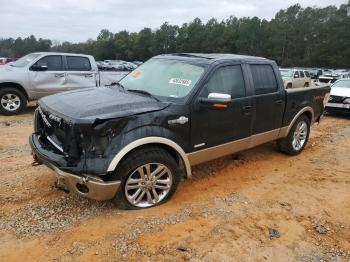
(220, 124)
(50, 81)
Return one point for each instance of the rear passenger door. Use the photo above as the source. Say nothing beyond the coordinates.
(269, 101)
(80, 73)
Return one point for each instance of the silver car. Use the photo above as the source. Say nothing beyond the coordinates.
(40, 74)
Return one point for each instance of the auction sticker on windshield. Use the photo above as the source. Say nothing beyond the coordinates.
(180, 81)
(137, 73)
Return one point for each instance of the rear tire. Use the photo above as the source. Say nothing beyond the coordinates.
(297, 138)
(306, 85)
(12, 101)
(149, 177)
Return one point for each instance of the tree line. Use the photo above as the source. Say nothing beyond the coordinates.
(296, 36)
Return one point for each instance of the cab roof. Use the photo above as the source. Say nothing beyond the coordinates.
(214, 57)
(59, 53)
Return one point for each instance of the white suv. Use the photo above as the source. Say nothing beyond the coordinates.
(293, 78)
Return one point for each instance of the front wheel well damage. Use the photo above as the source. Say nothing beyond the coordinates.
(165, 147)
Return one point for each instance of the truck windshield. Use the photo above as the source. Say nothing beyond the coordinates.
(25, 60)
(286, 72)
(342, 83)
(164, 78)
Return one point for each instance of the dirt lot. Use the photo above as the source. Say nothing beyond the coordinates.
(265, 206)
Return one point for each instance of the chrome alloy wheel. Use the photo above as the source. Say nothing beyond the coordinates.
(299, 136)
(148, 185)
(10, 102)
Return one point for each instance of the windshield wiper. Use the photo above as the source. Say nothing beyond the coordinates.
(144, 92)
(117, 84)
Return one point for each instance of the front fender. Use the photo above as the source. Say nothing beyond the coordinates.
(150, 140)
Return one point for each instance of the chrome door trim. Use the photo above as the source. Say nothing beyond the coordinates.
(214, 152)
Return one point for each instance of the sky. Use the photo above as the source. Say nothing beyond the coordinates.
(76, 21)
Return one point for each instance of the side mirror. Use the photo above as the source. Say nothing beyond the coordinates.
(296, 76)
(39, 67)
(216, 101)
(218, 97)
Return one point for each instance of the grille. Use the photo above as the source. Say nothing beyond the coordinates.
(336, 99)
(59, 132)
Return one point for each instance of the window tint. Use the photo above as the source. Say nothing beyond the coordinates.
(227, 80)
(296, 74)
(53, 62)
(307, 74)
(302, 74)
(264, 79)
(78, 63)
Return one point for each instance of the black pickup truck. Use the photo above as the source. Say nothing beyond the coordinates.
(133, 140)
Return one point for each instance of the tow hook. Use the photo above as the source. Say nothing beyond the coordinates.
(36, 161)
(59, 186)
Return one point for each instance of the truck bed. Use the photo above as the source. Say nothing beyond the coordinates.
(298, 98)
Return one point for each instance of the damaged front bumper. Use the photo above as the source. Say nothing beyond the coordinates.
(88, 186)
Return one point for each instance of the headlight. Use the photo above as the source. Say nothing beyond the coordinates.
(347, 100)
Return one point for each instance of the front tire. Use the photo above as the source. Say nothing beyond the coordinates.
(12, 101)
(297, 138)
(149, 177)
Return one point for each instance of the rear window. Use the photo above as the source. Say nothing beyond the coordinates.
(78, 63)
(264, 79)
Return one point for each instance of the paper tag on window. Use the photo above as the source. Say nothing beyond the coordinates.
(180, 81)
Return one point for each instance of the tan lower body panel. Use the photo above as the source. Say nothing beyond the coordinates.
(211, 153)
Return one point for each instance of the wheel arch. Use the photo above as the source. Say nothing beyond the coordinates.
(14, 85)
(307, 110)
(170, 146)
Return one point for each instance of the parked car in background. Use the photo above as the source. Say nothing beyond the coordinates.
(6, 60)
(120, 65)
(44, 73)
(330, 76)
(100, 65)
(293, 78)
(315, 72)
(138, 63)
(339, 100)
(132, 142)
(3, 60)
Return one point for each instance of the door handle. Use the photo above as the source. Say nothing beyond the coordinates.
(279, 102)
(59, 75)
(247, 110)
(180, 121)
(89, 75)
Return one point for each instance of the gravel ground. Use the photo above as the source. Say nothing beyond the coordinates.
(256, 206)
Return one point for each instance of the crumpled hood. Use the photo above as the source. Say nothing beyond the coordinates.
(340, 91)
(90, 104)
